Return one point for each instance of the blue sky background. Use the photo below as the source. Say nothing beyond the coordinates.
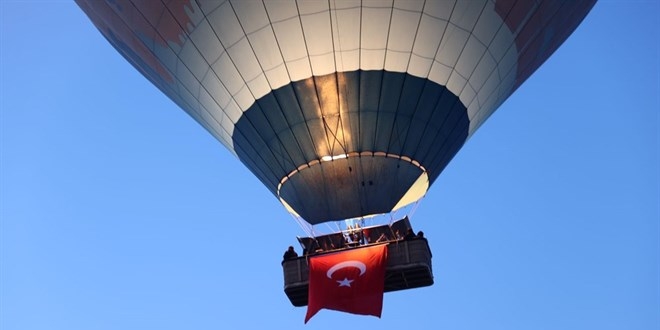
(118, 211)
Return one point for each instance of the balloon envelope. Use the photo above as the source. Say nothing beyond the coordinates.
(341, 108)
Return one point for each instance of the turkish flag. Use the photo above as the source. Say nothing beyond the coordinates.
(349, 281)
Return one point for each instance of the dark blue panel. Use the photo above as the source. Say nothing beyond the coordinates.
(378, 111)
(370, 83)
(391, 90)
(272, 110)
(290, 109)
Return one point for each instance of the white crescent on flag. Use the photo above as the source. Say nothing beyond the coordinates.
(350, 263)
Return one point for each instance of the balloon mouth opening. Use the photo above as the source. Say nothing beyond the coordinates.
(352, 185)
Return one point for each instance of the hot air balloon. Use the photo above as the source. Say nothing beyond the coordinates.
(344, 110)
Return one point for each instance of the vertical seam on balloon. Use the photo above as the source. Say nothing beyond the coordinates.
(302, 29)
(358, 144)
(311, 136)
(342, 144)
(278, 157)
(180, 85)
(443, 154)
(429, 152)
(495, 70)
(433, 62)
(281, 106)
(382, 79)
(253, 152)
(421, 13)
(237, 129)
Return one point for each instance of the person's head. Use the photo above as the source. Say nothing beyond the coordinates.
(420, 234)
(290, 248)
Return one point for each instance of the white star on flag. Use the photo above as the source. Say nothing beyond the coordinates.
(345, 282)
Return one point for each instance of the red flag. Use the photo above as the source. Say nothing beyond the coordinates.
(349, 281)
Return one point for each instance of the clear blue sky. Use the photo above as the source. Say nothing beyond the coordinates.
(118, 211)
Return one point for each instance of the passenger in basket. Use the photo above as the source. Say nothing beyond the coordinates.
(290, 253)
